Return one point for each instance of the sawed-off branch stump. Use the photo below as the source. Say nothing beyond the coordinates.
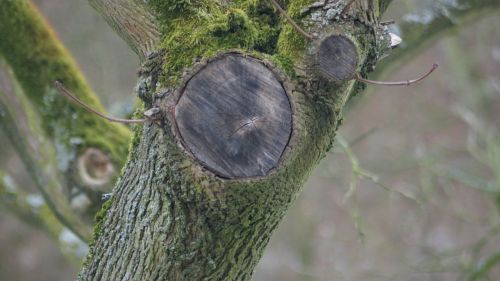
(234, 116)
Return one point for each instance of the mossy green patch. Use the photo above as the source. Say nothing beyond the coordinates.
(168, 9)
(209, 27)
(37, 59)
(203, 36)
(291, 44)
(285, 63)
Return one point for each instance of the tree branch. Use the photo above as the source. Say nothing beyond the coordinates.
(206, 186)
(43, 117)
(132, 21)
(485, 267)
(20, 124)
(32, 209)
(425, 27)
(37, 59)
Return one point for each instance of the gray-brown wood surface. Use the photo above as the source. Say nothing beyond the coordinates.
(337, 58)
(235, 117)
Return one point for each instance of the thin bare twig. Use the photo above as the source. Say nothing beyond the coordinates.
(291, 21)
(59, 86)
(397, 83)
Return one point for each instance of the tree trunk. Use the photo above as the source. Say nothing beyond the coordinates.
(248, 105)
(239, 133)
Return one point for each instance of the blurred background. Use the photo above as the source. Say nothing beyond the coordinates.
(410, 191)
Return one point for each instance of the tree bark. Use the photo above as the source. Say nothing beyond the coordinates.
(133, 22)
(180, 211)
(442, 18)
(174, 215)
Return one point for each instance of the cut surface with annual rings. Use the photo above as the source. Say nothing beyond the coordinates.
(234, 116)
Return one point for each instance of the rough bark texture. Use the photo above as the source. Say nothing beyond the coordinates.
(132, 21)
(172, 219)
(421, 29)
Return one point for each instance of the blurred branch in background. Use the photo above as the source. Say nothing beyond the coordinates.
(359, 173)
(468, 261)
(19, 122)
(52, 136)
(422, 28)
(483, 269)
(32, 209)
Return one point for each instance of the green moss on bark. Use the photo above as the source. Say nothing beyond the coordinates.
(180, 222)
(291, 44)
(38, 59)
(204, 28)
